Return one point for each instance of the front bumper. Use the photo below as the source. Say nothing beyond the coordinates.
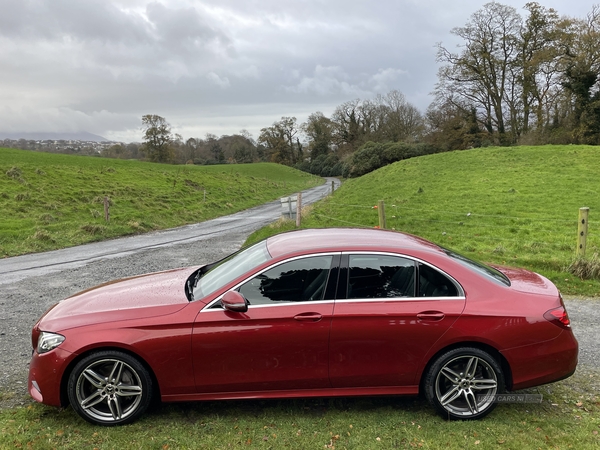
(45, 375)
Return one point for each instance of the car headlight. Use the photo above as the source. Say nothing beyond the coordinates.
(48, 341)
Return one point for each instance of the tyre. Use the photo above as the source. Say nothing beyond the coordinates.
(463, 383)
(110, 388)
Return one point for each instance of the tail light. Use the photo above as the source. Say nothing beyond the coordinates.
(558, 316)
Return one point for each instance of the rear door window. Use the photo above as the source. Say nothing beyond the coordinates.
(380, 276)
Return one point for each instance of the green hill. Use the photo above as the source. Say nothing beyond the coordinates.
(49, 201)
(516, 206)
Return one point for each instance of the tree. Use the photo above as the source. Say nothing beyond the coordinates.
(481, 75)
(243, 148)
(192, 146)
(347, 133)
(319, 131)
(157, 138)
(280, 141)
(538, 65)
(215, 148)
(452, 128)
(581, 75)
(401, 120)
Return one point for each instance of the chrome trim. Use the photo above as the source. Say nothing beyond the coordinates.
(401, 299)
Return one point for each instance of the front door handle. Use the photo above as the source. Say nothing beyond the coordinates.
(431, 316)
(308, 317)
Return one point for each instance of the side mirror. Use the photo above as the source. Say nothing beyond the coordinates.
(234, 301)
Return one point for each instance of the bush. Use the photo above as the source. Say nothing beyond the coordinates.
(323, 165)
(586, 269)
(373, 155)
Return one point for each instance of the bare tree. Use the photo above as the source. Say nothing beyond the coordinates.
(481, 75)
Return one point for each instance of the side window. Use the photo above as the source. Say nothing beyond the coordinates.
(434, 284)
(380, 276)
(299, 280)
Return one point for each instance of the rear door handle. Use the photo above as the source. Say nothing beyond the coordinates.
(308, 317)
(431, 316)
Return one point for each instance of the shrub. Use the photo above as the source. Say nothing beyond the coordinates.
(586, 269)
(324, 165)
(373, 155)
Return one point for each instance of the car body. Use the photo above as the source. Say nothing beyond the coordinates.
(318, 312)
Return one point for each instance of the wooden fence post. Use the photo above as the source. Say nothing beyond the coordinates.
(332, 186)
(106, 209)
(299, 210)
(582, 231)
(381, 210)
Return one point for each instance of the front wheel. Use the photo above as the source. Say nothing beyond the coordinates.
(463, 383)
(110, 388)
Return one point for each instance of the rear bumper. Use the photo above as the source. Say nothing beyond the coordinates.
(544, 362)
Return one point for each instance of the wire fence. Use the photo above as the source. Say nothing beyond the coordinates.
(536, 233)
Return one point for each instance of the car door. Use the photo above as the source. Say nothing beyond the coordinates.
(281, 341)
(388, 313)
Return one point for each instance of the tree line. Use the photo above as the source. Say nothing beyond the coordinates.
(514, 79)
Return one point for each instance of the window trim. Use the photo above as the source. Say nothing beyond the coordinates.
(345, 274)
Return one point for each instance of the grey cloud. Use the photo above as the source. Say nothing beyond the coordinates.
(99, 65)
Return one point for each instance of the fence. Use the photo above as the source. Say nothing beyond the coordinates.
(505, 233)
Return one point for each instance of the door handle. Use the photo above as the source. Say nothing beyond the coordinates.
(308, 317)
(431, 316)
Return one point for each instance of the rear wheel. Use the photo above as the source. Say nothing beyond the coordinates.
(463, 383)
(110, 388)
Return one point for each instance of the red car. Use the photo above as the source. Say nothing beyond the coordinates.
(323, 312)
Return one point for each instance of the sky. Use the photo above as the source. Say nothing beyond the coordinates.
(217, 66)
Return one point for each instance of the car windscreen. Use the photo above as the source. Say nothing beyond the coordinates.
(230, 268)
(480, 268)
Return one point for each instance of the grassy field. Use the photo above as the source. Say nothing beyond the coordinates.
(515, 206)
(50, 201)
(567, 418)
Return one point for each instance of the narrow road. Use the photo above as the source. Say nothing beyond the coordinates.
(22, 267)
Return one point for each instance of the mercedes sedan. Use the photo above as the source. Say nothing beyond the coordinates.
(320, 312)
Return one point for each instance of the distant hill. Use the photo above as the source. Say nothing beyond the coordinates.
(42, 136)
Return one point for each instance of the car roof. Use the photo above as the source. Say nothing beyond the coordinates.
(345, 239)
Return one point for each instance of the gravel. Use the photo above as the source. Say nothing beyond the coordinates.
(23, 302)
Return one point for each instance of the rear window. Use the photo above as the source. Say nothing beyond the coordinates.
(487, 271)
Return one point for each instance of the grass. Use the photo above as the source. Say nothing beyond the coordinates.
(516, 206)
(50, 201)
(568, 417)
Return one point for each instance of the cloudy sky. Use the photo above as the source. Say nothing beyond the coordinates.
(216, 66)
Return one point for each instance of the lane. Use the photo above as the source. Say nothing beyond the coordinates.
(21, 267)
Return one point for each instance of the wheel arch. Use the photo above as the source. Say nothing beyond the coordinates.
(64, 397)
(504, 365)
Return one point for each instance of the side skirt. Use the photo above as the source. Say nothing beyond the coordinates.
(340, 392)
